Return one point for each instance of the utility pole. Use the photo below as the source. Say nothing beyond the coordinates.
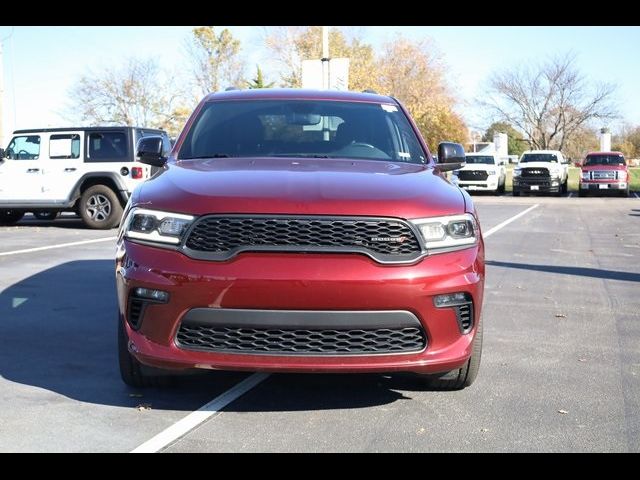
(2, 90)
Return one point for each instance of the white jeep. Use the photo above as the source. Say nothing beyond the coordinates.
(91, 171)
(482, 172)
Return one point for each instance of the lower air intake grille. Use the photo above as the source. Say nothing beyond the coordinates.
(464, 314)
(301, 341)
(136, 308)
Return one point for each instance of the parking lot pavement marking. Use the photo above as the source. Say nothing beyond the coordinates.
(191, 421)
(61, 245)
(493, 230)
(570, 195)
(636, 195)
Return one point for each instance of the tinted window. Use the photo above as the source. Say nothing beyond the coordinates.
(64, 146)
(539, 157)
(24, 148)
(604, 160)
(302, 128)
(107, 147)
(480, 159)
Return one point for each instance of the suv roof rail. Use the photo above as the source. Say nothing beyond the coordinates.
(370, 90)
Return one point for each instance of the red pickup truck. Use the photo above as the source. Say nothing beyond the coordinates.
(604, 172)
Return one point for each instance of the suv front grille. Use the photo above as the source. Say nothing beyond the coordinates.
(385, 239)
(472, 175)
(301, 341)
(604, 174)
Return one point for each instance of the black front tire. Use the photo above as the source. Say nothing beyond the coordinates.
(565, 186)
(461, 377)
(100, 208)
(516, 193)
(10, 217)
(133, 373)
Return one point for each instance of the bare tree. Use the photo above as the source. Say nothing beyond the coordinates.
(134, 94)
(549, 102)
(216, 60)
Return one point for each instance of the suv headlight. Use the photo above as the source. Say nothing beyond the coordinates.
(622, 175)
(156, 226)
(491, 172)
(517, 172)
(585, 175)
(445, 234)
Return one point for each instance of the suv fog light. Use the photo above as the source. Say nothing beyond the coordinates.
(449, 300)
(157, 295)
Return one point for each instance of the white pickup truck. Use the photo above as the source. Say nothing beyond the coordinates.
(541, 171)
(482, 172)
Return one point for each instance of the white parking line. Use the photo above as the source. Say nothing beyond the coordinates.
(493, 230)
(191, 421)
(214, 407)
(570, 195)
(637, 196)
(60, 245)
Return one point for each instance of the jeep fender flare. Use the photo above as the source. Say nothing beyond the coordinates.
(110, 179)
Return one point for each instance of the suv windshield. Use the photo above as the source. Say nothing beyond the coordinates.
(539, 157)
(302, 128)
(480, 159)
(604, 160)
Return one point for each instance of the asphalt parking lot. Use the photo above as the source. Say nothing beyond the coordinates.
(560, 368)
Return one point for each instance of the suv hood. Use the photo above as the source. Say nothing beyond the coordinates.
(301, 186)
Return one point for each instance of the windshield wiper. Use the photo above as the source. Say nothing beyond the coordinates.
(213, 155)
(301, 155)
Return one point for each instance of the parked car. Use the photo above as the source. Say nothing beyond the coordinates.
(300, 231)
(89, 170)
(604, 172)
(482, 172)
(541, 171)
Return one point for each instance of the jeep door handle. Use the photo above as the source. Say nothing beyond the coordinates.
(70, 169)
(33, 170)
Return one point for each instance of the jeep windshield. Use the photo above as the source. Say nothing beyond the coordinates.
(604, 160)
(302, 128)
(539, 157)
(479, 159)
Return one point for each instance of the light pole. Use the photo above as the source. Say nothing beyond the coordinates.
(2, 90)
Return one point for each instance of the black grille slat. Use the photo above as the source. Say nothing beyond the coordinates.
(136, 308)
(388, 239)
(301, 341)
(472, 175)
(466, 321)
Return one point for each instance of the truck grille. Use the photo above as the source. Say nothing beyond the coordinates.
(535, 172)
(472, 175)
(220, 237)
(301, 341)
(604, 175)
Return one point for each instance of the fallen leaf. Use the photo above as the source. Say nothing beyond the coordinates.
(582, 359)
(144, 406)
(421, 431)
(560, 315)
(563, 412)
(547, 298)
(484, 430)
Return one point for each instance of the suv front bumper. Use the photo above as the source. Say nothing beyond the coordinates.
(283, 282)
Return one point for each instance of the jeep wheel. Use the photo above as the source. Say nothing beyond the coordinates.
(46, 215)
(461, 377)
(131, 370)
(10, 217)
(100, 208)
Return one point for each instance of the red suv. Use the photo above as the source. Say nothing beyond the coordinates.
(300, 231)
(604, 172)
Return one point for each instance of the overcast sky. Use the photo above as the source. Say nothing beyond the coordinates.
(40, 64)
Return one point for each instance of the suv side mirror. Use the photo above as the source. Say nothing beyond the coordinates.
(149, 151)
(1, 154)
(450, 156)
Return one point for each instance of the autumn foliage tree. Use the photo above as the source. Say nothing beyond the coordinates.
(136, 93)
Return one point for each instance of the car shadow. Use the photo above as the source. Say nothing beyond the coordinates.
(67, 221)
(564, 270)
(58, 332)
